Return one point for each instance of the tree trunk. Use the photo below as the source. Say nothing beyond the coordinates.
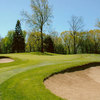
(96, 49)
(30, 48)
(74, 45)
(69, 49)
(42, 39)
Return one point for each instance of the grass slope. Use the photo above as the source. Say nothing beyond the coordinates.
(23, 79)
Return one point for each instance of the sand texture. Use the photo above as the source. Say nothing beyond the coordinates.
(6, 60)
(78, 85)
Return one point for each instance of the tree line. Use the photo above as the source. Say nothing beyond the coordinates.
(73, 41)
(85, 42)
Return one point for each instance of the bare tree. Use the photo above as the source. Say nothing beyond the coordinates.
(40, 17)
(76, 25)
(98, 23)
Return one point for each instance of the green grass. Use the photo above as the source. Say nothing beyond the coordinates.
(23, 79)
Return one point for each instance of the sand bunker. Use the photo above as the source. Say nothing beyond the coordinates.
(6, 60)
(78, 85)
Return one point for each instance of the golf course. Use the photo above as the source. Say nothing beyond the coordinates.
(24, 78)
(49, 50)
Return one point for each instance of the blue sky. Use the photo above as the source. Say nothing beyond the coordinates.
(10, 12)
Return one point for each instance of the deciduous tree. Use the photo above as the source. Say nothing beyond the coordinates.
(41, 14)
(76, 25)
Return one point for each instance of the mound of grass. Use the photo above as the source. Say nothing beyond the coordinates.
(28, 84)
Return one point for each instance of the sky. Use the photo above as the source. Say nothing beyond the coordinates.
(62, 10)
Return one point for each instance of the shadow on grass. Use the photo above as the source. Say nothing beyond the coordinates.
(45, 53)
(76, 68)
(1, 57)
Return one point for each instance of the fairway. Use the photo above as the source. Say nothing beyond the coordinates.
(23, 79)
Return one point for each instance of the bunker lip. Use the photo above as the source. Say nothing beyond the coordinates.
(76, 83)
(1, 57)
(4, 59)
(75, 68)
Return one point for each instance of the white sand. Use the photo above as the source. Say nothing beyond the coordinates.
(79, 85)
(6, 60)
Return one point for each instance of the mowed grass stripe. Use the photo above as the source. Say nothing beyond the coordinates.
(29, 85)
(8, 72)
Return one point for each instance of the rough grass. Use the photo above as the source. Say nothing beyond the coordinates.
(23, 79)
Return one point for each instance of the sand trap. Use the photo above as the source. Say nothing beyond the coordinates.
(6, 60)
(78, 85)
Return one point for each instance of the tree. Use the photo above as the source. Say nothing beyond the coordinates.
(59, 45)
(76, 24)
(40, 17)
(49, 44)
(67, 38)
(95, 40)
(98, 23)
(18, 44)
(89, 41)
(34, 41)
(6, 43)
(10, 40)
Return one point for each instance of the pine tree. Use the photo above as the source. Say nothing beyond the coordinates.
(49, 44)
(18, 44)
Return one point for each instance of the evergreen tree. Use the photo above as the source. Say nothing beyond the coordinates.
(18, 44)
(49, 44)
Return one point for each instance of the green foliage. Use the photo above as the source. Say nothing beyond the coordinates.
(34, 42)
(49, 44)
(41, 14)
(18, 44)
(6, 43)
(89, 41)
(58, 44)
(67, 39)
(60, 49)
(86, 42)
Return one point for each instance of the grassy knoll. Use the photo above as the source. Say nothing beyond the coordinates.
(23, 79)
